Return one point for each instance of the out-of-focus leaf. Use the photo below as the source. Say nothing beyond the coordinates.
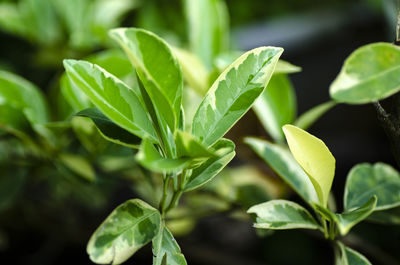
(115, 99)
(22, 94)
(79, 165)
(283, 163)
(109, 130)
(312, 115)
(282, 214)
(390, 216)
(234, 92)
(284, 67)
(225, 151)
(11, 184)
(129, 227)
(365, 180)
(193, 69)
(87, 133)
(208, 28)
(165, 246)
(73, 95)
(276, 106)
(348, 256)
(369, 74)
(314, 157)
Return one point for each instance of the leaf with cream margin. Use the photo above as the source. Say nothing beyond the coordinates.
(348, 256)
(369, 74)
(129, 227)
(282, 214)
(166, 247)
(114, 98)
(233, 93)
(314, 157)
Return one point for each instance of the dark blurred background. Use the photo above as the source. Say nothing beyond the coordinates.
(316, 35)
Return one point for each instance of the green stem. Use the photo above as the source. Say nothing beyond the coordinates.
(326, 232)
(164, 195)
(332, 230)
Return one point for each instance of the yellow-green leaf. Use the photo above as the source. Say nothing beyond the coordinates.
(314, 157)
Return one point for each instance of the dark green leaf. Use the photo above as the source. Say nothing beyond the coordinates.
(109, 130)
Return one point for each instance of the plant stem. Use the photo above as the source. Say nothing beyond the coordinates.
(326, 232)
(164, 195)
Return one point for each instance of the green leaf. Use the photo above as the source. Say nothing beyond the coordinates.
(22, 94)
(13, 120)
(276, 106)
(150, 158)
(166, 247)
(314, 157)
(369, 74)
(348, 256)
(284, 67)
(365, 180)
(283, 163)
(282, 214)
(207, 37)
(225, 151)
(188, 146)
(88, 134)
(129, 227)
(347, 220)
(159, 72)
(79, 165)
(76, 98)
(114, 98)
(312, 115)
(233, 93)
(109, 130)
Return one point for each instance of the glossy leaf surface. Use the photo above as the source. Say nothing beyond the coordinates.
(114, 98)
(234, 92)
(283, 163)
(159, 72)
(109, 130)
(166, 248)
(276, 106)
(369, 74)
(365, 180)
(129, 227)
(314, 157)
(282, 214)
(225, 151)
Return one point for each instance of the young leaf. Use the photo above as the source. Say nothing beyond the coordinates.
(312, 115)
(283, 163)
(78, 165)
(150, 158)
(365, 180)
(314, 157)
(282, 214)
(348, 256)
(188, 146)
(347, 220)
(233, 93)
(166, 247)
(276, 106)
(115, 99)
(160, 72)
(129, 227)
(109, 130)
(369, 74)
(23, 95)
(225, 151)
(208, 37)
